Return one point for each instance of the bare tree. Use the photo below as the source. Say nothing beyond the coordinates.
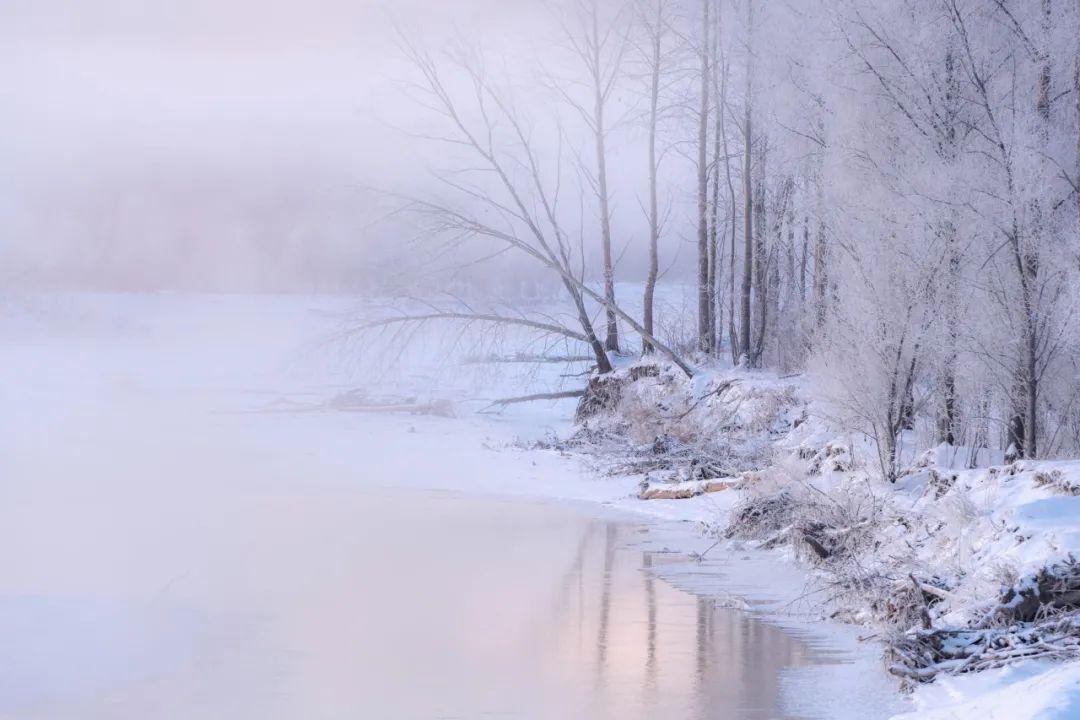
(524, 205)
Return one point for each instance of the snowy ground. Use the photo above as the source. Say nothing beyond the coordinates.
(264, 367)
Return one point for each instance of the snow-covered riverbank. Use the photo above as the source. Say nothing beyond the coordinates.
(965, 565)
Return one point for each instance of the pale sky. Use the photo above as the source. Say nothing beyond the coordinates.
(209, 138)
(210, 142)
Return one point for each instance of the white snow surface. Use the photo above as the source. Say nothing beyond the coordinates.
(1028, 691)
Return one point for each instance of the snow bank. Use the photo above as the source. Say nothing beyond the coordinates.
(947, 553)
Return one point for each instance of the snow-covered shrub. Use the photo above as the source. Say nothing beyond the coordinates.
(1057, 481)
(762, 516)
(717, 427)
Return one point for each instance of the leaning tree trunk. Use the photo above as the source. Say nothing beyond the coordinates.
(603, 363)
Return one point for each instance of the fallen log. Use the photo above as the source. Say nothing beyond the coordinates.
(684, 490)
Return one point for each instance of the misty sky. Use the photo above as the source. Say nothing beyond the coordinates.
(199, 143)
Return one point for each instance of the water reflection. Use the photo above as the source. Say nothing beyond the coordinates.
(378, 605)
(661, 652)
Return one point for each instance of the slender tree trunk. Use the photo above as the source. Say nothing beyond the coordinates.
(704, 309)
(761, 259)
(948, 421)
(821, 277)
(787, 337)
(948, 151)
(714, 242)
(722, 115)
(716, 310)
(947, 427)
(1014, 438)
(748, 200)
(803, 258)
(611, 343)
(1031, 427)
(1029, 261)
(1076, 103)
(654, 217)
